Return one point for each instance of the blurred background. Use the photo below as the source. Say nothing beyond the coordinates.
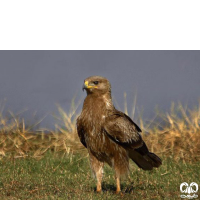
(33, 82)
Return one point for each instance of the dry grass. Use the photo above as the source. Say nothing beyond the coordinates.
(18, 140)
(175, 134)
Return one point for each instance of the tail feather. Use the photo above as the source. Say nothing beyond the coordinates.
(154, 159)
(140, 161)
(145, 159)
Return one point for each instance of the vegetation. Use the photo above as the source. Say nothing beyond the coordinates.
(69, 177)
(54, 164)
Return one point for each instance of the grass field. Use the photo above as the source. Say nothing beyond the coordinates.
(69, 177)
(54, 165)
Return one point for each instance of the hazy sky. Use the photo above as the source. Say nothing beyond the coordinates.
(37, 80)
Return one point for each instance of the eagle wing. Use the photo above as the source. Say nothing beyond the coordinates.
(121, 129)
(80, 130)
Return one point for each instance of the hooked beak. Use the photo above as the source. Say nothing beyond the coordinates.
(86, 85)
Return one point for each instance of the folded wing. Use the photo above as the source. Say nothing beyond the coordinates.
(121, 129)
(80, 130)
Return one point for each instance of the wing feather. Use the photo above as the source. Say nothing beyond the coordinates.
(120, 128)
(80, 130)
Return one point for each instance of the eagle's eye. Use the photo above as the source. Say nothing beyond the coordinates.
(96, 82)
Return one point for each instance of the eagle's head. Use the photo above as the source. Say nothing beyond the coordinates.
(96, 85)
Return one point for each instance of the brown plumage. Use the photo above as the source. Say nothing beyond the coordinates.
(109, 135)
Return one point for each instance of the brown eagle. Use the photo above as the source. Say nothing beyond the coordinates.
(110, 135)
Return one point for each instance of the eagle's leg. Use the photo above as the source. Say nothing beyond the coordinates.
(117, 178)
(97, 168)
(99, 175)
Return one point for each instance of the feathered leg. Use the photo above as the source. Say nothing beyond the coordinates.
(97, 168)
(121, 166)
(117, 178)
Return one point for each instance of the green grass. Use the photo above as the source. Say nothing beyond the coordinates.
(69, 177)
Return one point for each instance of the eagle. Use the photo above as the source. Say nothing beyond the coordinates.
(109, 135)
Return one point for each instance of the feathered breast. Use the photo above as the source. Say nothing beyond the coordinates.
(90, 124)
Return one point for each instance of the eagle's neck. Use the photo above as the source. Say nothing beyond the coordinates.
(99, 104)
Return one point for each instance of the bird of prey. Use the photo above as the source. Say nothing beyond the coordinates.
(109, 135)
